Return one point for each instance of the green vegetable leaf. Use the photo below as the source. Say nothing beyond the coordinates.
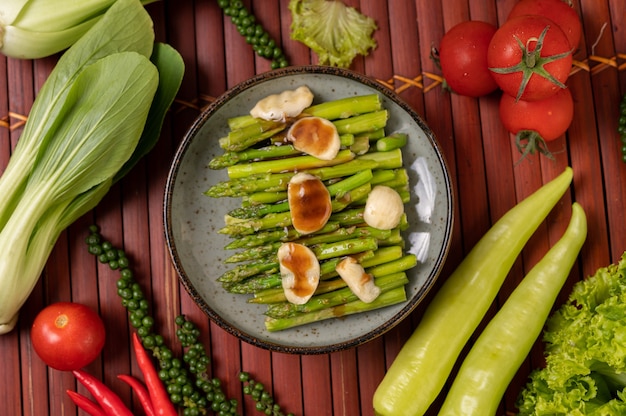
(126, 28)
(31, 29)
(84, 126)
(102, 124)
(585, 372)
(335, 32)
(171, 70)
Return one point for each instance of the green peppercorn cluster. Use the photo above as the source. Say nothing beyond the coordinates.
(197, 361)
(621, 128)
(254, 33)
(185, 379)
(264, 401)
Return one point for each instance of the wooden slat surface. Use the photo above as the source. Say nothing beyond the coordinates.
(481, 156)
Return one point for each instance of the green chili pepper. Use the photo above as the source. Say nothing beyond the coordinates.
(424, 363)
(505, 342)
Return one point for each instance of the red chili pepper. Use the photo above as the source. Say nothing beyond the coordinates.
(142, 393)
(86, 404)
(161, 402)
(108, 400)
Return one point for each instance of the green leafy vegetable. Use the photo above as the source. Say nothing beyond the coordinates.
(585, 372)
(84, 126)
(335, 32)
(31, 29)
(171, 70)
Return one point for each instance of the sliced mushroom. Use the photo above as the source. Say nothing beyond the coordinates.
(315, 136)
(280, 107)
(358, 280)
(300, 272)
(309, 203)
(384, 208)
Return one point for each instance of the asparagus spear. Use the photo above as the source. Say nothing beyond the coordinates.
(389, 298)
(391, 142)
(268, 152)
(246, 270)
(363, 123)
(251, 134)
(346, 185)
(278, 234)
(239, 227)
(250, 254)
(269, 263)
(264, 197)
(338, 189)
(331, 110)
(328, 284)
(269, 283)
(326, 251)
(334, 298)
(384, 160)
(340, 234)
(346, 107)
(296, 163)
(278, 181)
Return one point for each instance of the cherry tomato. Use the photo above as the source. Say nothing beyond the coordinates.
(463, 58)
(67, 336)
(556, 10)
(537, 122)
(530, 57)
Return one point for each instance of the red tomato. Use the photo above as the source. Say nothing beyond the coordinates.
(523, 66)
(537, 122)
(556, 10)
(463, 58)
(67, 336)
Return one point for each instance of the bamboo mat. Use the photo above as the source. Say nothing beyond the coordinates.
(480, 154)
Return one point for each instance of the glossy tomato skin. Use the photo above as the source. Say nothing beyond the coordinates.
(463, 58)
(67, 336)
(550, 118)
(556, 10)
(505, 52)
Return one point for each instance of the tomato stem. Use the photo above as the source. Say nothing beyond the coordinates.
(529, 142)
(533, 63)
(531, 58)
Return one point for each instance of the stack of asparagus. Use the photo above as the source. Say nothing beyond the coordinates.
(260, 163)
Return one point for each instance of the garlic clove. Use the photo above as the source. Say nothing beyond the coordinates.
(300, 272)
(358, 280)
(384, 208)
(309, 203)
(315, 136)
(280, 107)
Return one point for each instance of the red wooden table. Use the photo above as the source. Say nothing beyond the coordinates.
(481, 156)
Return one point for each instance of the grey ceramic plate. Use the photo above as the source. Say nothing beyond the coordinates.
(192, 219)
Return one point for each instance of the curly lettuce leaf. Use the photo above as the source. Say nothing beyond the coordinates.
(585, 371)
(335, 32)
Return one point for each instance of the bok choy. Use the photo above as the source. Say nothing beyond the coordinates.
(31, 29)
(99, 111)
